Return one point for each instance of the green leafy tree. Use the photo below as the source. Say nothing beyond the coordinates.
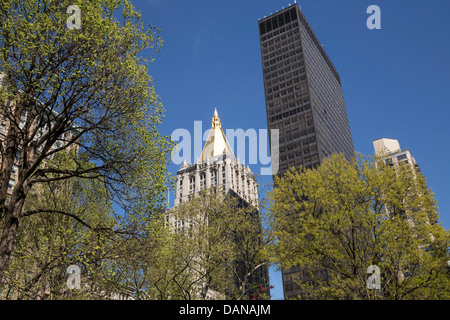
(84, 89)
(66, 222)
(336, 221)
(216, 247)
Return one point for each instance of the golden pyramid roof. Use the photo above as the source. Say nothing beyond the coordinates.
(216, 143)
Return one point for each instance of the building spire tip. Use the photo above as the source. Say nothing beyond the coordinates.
(216, 120)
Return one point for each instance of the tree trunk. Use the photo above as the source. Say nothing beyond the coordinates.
(9, 235)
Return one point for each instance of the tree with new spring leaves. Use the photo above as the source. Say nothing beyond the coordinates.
(336, 221)
(71, 222)
(47, 243)
(85, 89)
(216, 249)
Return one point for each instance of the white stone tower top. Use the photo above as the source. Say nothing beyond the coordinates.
(386, 146)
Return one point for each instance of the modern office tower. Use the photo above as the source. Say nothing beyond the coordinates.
(303, 92)
(216, 168)
(304, 99)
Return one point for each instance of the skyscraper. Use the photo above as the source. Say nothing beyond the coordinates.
(304, 98)
(303, 92)
(218, 170)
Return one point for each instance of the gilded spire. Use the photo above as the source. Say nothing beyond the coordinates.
(216, 120)
(216, 143)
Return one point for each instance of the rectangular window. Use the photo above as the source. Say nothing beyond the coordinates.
(280, 20)
(262, 28)
(293, 15)
(268, 26)
(287, 17)
(274, 22)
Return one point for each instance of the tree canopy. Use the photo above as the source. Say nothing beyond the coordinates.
(336, 221)
(88, 90)
(216, 249)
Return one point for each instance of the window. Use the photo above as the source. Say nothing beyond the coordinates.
(202, 181)
(401, 157)
(192, 184)
(213, 177)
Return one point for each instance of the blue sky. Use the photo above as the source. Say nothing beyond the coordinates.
(396, 80)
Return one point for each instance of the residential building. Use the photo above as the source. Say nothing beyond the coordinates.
(13, 118)
(6, 119)
(393, 155)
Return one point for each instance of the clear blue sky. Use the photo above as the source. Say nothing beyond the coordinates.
(396, 80)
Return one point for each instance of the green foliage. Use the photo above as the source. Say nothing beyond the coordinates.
(65, 223)
(72, 222)
(337, 220)
(86, 91)
(216, 249)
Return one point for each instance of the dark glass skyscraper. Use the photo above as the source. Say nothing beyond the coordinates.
(304, 98)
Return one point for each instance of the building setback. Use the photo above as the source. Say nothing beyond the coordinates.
(304, 99)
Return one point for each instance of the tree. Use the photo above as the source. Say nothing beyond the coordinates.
(216, 249)
(49, 243)
(86, 89)
(336, 221)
